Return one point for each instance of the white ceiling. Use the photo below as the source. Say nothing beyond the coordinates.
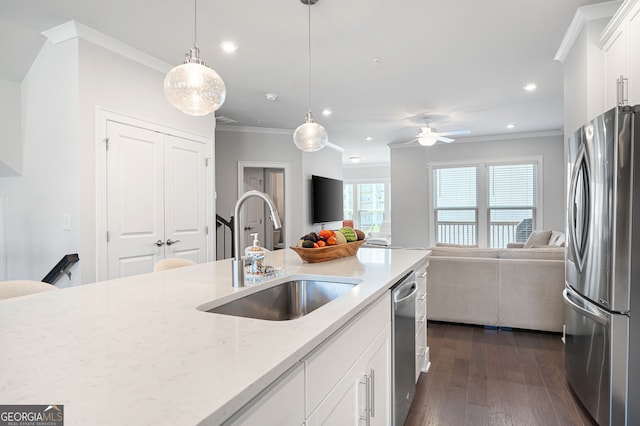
(380, 65)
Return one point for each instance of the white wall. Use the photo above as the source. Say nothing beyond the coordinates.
(410, 180)
(234, 146)
(48, 188)
(237, 145)
(326, 163)
(10, 132)
(409, 196)
(113, 82)
(366, 171)
(60, 94)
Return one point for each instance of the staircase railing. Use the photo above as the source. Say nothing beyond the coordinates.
(61, 268)
(224, 229)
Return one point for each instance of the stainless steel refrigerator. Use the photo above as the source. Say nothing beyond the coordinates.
(602, 293)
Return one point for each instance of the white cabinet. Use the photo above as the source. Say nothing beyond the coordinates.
(349, 377)
(345, 381)
(422, 350)
(633, 68)
(363, 394)
(621, 43)
(267, 409)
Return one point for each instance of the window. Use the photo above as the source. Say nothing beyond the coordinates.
(367, 204)
(456, 205)
(486, 204)
(511, 199)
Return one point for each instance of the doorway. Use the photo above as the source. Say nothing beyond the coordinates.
(270, 178)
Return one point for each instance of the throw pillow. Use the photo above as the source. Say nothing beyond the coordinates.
(556, 239)
(538, 238)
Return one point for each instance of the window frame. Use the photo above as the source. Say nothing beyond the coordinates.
(482, 183)
(387, 197)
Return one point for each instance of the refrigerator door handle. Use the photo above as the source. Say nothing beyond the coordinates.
(596, 316)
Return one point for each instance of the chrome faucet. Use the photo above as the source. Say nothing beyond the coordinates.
(239, 261)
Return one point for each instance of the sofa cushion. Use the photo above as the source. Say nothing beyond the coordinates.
(538, 239)
(543, 253)
(464, 252)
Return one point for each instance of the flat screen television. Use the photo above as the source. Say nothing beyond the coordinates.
(326, 199)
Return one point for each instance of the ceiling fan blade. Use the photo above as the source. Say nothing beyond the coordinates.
(455, 133)
(443, 139)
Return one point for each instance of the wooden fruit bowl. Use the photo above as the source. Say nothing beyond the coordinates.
(323, 254)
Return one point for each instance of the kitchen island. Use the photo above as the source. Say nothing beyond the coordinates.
(137, 350)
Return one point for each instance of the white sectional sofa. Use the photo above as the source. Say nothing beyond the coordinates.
(513, 287)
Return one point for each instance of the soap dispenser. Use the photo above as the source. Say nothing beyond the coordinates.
(255, 253)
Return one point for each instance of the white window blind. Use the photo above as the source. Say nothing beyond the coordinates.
(456, 205)
(485, 204)
(511, 202)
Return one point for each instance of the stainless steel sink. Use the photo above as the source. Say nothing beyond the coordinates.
(286, 301)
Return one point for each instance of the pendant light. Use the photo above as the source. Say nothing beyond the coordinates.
(193, 87)
(310, 136)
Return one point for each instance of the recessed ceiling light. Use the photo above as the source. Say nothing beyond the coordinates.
(530, 87)
(229, 46)
(368, 138)
(510, 126)
(355, 159)
(271, 96)
(327, 112)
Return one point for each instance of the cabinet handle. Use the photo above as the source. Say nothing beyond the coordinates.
(623, 87)
(370, 391)
(373, 393)
(367, 400)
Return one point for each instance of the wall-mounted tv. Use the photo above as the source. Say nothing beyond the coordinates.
(326, 199)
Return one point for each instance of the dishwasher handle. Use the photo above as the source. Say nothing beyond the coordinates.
(399, 292)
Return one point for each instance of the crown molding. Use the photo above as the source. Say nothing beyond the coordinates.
(267, 130)
(488, 138)
(584, 14)
(73, 29)
(253, 129)
(615, 22)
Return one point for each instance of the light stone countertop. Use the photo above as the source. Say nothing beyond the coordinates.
(137, 351)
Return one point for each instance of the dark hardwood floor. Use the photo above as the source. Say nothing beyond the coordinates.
(482, 376)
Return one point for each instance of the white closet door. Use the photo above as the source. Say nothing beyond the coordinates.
(185, 202)
(135, 199)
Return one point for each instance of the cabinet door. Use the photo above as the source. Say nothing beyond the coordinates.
(364, 391)
(378, 367)
(282, 404)
(341, 407)
(633, 68)
(614, 66)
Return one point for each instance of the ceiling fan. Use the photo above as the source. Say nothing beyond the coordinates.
(429, 136)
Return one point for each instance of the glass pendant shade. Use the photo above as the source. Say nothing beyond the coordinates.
(310, 136)
(194, 88)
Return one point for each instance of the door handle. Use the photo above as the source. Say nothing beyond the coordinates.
(171, 242)
(159, 243)
(248, 228)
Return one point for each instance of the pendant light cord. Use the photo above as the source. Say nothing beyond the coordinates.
(195, 23)
(309, 22)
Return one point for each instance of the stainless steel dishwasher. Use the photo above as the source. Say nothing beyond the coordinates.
(403, 321)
